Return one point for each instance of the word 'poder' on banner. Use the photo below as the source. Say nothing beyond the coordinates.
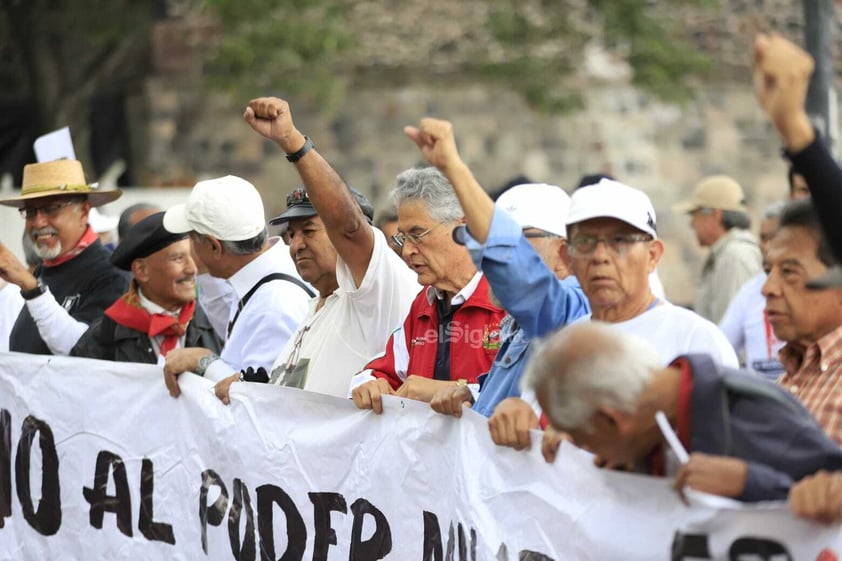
(97, 461)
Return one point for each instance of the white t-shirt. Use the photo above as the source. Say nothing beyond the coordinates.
(674, 331)
(746, 327)
(353, 325)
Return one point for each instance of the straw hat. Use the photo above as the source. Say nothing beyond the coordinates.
(60, 177)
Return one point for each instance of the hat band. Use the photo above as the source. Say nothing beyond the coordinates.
(64, 187)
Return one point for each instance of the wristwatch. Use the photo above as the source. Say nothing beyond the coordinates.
(35, 292)
(308, 145)
(204, 362)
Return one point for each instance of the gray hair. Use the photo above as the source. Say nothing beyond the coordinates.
(431, 187)
(125, 223)
(242, 247)
(735, 219)
(589, 365)
(774, 210)
(246, 247)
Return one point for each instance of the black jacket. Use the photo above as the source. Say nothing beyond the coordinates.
(824, 176)
(107, 340)
(84, 286)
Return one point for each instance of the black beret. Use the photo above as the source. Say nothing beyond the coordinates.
(142, 240)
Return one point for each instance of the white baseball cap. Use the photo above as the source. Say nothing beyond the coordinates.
(228, 208)
(537, 205)
(612, 199)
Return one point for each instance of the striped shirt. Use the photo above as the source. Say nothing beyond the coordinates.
(814, 376)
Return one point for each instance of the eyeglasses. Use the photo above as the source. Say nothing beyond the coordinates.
(29, 212)
(618, 244)
(415, 239)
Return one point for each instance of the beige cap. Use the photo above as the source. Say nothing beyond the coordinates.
(716, 191)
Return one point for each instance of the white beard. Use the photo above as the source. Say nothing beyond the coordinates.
(45, 252)
(48, 253)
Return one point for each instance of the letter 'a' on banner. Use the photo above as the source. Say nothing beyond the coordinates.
(98, 462)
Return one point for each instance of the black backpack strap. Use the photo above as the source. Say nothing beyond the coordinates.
(261, 282)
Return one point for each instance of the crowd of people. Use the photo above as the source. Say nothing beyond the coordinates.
(541, 310)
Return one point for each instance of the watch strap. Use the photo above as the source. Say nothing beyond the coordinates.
(204, 362)
(35, 292)
(308, 145)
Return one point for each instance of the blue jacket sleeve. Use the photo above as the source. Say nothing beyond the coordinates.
(765, 483)
(527, 288)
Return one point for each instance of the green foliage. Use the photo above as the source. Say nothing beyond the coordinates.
(640, 31)
(660, 54)
(282, 47)
(278, 47)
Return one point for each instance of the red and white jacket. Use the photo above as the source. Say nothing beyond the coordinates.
(474, 337)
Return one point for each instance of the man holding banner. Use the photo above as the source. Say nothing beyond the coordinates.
(748, 438)
(612, 248)
(227, 225)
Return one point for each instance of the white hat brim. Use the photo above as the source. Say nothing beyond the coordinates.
(175, 220)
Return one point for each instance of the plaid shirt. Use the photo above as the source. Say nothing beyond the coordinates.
(814, 376)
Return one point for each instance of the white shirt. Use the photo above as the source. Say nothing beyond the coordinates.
(10, 306)
(267, 321)
(59, 330)
(746, 327)
(674, 331)
(353, 325)
(216, 297)
(154, 308)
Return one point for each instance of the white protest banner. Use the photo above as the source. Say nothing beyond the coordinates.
(98, 462)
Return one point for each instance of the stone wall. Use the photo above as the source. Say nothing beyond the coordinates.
(183, 134)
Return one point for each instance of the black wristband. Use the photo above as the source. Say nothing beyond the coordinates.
(34, 292)
(308, 145)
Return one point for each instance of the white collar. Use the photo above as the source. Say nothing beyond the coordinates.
(264, 264)
(460, 297)
(152, 307)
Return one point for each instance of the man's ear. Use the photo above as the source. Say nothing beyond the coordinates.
(216, 247)
(565, 255)
(656, 251)
(140, 270)
(84, 210)
(562, 268)
(614, 419)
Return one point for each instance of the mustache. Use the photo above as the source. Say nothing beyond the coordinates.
(187, 278)
(45, 231)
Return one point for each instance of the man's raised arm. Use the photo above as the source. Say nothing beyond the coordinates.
(343, 219)
(435, 140)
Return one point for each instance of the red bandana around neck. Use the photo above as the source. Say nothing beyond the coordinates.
(87, 239)
(127, 311)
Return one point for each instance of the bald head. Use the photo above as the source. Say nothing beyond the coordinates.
(586, 366)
